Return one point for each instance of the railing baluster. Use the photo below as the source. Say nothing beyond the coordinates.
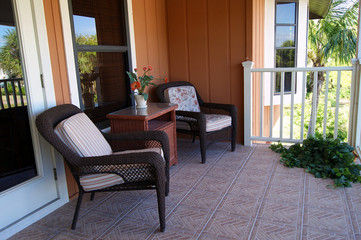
(292, 103)
(7, 94)
(281, 110)
(326, 103)
(1, 101)
(335, 133)
(261, 106)
(304, 84)
(20, 93)
(314, 112)
(14, 94)
(271, 105)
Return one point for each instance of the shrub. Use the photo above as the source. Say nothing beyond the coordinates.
(324, 158)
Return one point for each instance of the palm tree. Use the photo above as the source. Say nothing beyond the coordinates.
(10, 61)
(332, 38)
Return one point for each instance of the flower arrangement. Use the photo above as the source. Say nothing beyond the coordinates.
(140, 82)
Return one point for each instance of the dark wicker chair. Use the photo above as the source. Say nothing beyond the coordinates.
(140, 170)
(197, 121)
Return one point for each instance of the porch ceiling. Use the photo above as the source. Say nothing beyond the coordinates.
(319, 8)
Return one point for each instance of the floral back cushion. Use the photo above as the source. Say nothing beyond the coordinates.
(184, 96)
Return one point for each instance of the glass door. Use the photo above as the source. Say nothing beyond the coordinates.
(26, 168)
(17, 163)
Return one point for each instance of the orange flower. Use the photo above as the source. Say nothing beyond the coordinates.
(166, 80)
(135, 85)
(150, 68)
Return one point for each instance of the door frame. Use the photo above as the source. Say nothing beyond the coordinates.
(36, 30)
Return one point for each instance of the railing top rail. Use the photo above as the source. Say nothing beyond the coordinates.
(302, 69)
(10, 79)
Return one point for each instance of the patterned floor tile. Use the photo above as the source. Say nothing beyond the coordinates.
(281, 213)
(246, 207)
(310, 233)
(285, 194)
(117, 205)
(202, 199)
(225, 225)
(130, 230)
(34, 232)
(222, 172)
(212, 184)
(172, 233)
(245, 194)
(274, 231)
(250, 190)
(92, 225)
(326, 219)
(328, 198)
(188, 218)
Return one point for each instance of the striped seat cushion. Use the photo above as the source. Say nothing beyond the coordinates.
(214, 122)
(79, 133)
(91, 182)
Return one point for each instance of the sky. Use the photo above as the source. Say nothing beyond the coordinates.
(84, 25)
(3, 30)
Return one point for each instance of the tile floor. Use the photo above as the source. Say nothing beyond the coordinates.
(246, 194)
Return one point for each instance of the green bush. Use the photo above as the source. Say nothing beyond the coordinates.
(324, 158)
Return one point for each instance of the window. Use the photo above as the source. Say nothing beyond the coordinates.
(102, 56)
(285, 41)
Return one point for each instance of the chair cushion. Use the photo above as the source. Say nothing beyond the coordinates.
(91, 182)
(214, 122)
(184, 96)
(157, 150)
(79, 133)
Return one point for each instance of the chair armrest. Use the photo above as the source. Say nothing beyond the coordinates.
(158, 136)
(213, 107)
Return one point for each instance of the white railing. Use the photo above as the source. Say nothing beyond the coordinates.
(263, 95)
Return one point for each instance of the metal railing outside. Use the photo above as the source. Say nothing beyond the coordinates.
(12, 93)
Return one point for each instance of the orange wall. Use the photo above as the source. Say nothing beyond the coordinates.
(57, 51)
(203, 42)
(150, 30)
(208, 41)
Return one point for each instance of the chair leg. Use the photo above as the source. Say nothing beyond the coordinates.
(161, 206)
(77, 208)
(92, 196)
(194, 137)
(234, 138)
(202, 143)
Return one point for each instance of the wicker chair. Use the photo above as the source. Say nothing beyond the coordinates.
(134, 169)
(198, 118)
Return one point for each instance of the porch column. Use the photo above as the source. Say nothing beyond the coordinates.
(354, 133)
(247, 102)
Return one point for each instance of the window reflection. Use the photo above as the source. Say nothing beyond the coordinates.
(285, 36)
(286, 13)
(85, 30)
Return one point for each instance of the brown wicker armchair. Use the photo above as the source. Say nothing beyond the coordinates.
(135, 169)
(198, 118)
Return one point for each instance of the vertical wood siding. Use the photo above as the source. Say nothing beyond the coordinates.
(208, 41)
(151, 41)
